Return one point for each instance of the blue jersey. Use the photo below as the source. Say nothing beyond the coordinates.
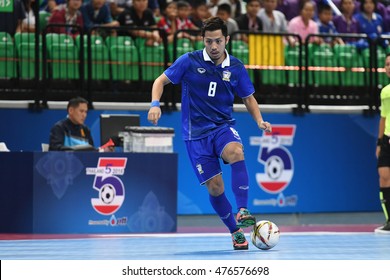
(208, 91)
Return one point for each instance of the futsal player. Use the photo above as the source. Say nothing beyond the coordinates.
(210, 78)
(383, 152)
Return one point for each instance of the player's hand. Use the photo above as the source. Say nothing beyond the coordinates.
(266, 126)
(154, 115)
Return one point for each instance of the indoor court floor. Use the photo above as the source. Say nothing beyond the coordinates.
(211, 246)
(198, 238)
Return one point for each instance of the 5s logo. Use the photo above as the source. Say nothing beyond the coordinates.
(108, 185)
(276, 158)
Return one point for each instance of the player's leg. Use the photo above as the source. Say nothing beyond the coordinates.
(223, 208)
(384, 194)
(208, 170)
(231, 151)
(384, 183)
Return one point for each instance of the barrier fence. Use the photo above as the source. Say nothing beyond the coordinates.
(111, 64)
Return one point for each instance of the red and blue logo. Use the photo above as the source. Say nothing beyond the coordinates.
(276, 158)
(108, 185)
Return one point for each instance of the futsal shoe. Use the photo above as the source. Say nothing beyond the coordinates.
(245, 219)
(239, 240)
(385, 229)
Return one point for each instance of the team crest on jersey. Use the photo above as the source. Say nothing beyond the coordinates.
(201, 70)
(226, 75)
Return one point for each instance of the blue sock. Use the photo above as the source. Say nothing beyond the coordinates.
(223, 208)
(240, 183)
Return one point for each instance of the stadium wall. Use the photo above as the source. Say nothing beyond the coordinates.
(317, 162)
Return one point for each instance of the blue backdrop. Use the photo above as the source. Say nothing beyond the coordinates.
(311, 163)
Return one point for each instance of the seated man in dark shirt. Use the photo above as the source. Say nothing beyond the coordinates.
(71, 132)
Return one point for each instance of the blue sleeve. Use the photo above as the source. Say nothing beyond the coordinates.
(177, 70)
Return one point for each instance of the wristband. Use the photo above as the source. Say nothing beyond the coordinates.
(155, 103)
(379, 142)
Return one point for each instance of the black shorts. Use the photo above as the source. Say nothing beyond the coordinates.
(384, 155)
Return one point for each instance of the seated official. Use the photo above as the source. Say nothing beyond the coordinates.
(71, 132)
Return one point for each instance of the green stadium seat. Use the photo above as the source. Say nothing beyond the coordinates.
(183, 45)
(99, 57)
(25, 50)
(323, 56)
(7, 56)
(65, 62)
(240, 50)
(382, 78)
(43, 19)
(348, 56)
(292, 59)
(152, 62)
(199, 45)
(63, 56)
(123, 58)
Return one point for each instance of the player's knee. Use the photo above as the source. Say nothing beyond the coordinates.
(235, 154)
(384, 181)
(215, 186)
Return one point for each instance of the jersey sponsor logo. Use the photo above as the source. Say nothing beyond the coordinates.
(278, 163)
(201, 70)
(110, 188)
(226, 75)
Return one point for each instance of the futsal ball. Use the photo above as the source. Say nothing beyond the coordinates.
(265, 235)
(274, 167)
(107, 194)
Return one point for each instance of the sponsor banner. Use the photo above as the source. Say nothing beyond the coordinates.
(88, 192)
(311, 163)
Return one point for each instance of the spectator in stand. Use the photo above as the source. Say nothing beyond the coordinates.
(118, 6)
(97, 13)
(325, 24)
(200, 13)
(28, 24)
(184, 22)
(346, 22)
(169, 21)
(224, 12)
(50, 5)
(67, 14)
(250, 21)
(12, 22)
(370, 23)
(154, 5)
(273, 20)
(139, 15)
(380, 8)
(303, 25)
(238, 7)
(290, 8)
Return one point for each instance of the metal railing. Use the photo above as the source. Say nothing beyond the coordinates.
(95, 67)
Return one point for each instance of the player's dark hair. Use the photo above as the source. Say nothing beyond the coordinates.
(214, 23)
(75, 102)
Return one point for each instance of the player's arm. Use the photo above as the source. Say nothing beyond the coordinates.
(253, 108)
(154, 113)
